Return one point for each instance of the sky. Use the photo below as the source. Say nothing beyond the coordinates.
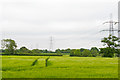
(71, 23)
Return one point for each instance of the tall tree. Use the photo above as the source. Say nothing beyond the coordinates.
(9, 45)
(111, 41)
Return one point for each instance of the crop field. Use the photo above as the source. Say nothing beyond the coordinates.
(59, 67)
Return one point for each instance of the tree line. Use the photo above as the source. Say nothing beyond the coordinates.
(9, 46)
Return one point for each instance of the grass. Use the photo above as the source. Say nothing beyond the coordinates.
(59, 67)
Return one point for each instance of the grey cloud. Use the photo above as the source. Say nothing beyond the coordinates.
(73, 23)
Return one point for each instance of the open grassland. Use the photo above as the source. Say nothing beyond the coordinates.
(59, 67)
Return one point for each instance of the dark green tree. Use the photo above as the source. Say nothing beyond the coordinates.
(111, 43)
(107, 52)
(9, 45)
(95, 48)
(67, 50)
(94, 51)
(24, 50)
(58, 50)
(77, 52)
(46, 51)
(82, 49)
(72, 52)
(86, 53)
(36, 51)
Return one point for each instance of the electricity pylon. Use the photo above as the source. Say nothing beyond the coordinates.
(51, 44)
(111, 26)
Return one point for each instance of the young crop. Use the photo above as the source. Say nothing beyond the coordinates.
(35, 62)
(46, 61)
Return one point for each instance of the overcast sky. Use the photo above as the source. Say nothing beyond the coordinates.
(71, 23)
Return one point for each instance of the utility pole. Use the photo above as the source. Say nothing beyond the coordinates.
(111, 26)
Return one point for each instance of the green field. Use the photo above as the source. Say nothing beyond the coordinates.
(59, 67)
